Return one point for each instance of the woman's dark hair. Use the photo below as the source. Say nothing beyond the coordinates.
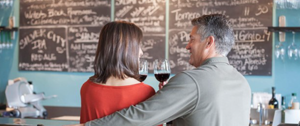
(117, 52)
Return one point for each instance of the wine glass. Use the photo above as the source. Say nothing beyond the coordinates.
(0, 39)
(280, 4)
(293, 50)
(279, 51)
(299, 52)
(162, 70)
(143, 69)
(294, 4)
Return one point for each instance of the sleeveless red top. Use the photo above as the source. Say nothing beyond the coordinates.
(101, 100)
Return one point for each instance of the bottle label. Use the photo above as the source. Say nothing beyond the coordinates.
(271, 106)
(295, 105)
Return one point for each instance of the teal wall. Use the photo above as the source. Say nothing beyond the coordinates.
(67, 84)
(287, 72)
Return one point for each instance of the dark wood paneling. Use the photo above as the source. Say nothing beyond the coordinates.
(56, 111)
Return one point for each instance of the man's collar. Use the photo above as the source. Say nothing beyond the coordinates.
(215, 60)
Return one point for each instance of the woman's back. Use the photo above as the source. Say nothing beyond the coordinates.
(99, 100)
(115, 84)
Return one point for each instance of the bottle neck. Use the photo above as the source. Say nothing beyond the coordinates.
(273, 94)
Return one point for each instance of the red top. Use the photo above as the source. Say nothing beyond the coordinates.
(101, 100)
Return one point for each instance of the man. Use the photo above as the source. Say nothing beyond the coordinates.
(212, 94)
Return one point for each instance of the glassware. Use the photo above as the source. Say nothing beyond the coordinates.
(1, 39)
(7, 3)
(293, 49)
(280, 4)
(291, 4)
(162, 70)
(294, 104)
(143, 69)
(4, 40)
(294, 4)
(1, 3)
(9, 41)
(299, 53)
(11, 2)
(280, 51)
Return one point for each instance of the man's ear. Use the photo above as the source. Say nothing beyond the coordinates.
(210, 41)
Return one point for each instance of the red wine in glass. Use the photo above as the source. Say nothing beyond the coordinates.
(162, 77)
(161, 70)
(143, 69)
(142, 77)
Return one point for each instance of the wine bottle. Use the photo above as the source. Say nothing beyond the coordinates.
(273, 103)
(282, 110)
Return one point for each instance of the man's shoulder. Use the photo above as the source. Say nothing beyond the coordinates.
(188, 75)
(202, 70)
(182, 77)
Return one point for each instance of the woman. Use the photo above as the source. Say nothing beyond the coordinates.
(115, 84)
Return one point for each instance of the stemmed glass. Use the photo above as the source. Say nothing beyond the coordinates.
(281, 4)
(299, 52)
(143, 69)
(1, 40)
(294, 4)
(162, 70)
(279, 51)
(293, 50)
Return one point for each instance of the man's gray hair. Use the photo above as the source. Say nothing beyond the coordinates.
(216, 25)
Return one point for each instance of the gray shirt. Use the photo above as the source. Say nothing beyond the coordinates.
(214, 94)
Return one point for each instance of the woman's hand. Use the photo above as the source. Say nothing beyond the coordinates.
(162, 84)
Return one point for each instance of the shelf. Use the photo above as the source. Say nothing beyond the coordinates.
(2, 28)
(284, 29)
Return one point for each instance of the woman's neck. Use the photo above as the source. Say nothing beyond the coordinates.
(113, 81)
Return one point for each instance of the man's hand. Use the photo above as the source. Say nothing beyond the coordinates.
(75, 125)
(162, 84)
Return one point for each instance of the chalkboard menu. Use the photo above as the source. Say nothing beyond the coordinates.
(60, 35)
(64, 12)
(252, 54)
(150, 17)
(83, 41)
(43, 49)
(178, 55)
